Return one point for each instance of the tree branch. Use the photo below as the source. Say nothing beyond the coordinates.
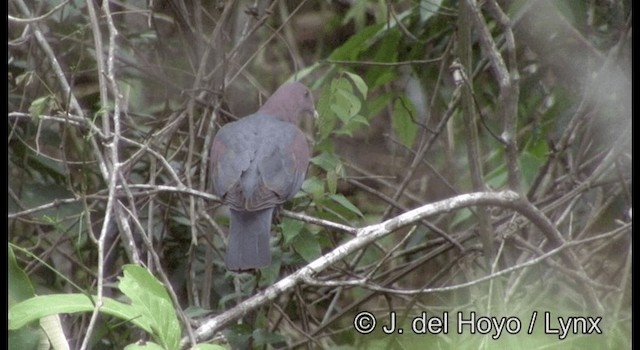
(367, 235)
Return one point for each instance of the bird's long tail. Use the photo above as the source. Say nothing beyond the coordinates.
(248, 246)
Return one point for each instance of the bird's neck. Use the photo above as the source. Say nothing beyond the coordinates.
(279, 111)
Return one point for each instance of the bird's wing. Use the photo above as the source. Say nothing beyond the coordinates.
(258, 162)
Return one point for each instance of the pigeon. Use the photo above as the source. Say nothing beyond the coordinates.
(258, 163)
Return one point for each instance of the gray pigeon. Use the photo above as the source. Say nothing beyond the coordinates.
(258, 163)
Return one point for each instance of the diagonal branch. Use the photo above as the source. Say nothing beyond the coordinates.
(369, 234)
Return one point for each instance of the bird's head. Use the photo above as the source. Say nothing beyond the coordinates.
(290, 102)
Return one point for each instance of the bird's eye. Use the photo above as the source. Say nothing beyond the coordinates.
(306, 93)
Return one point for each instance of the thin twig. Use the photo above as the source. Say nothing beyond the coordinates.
(471, 130)
(364, 283)
(113, 145)
(39, 18)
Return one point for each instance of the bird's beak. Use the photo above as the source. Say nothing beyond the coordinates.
(315, 114)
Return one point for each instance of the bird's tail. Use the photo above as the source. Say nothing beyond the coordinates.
(248, 246)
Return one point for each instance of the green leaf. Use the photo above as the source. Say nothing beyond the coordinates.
(498, 178)
(377, 103)
(19, 285)
(146, 346)
(180, 220)
(315, 187)
(152, 301)
(208, 347)
(263, 337)
(343, 201)
(350, 50)
(327, 161)
(37, 307)
(341, 109)
(340, 102)
(386, 76)
(461, 216)
(358, 119)
(290, 229)
(402, 122)
(307, 246)
(137, 278)
(40, 106)
(332, 182)
(359, 83)
(64, 216)
(327, 119)
(386, 51)
(301, 74)
(52, 327)
(531, 161)
(26, 338)
(349, 102)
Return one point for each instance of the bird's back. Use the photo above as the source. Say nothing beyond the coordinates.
(258, 162)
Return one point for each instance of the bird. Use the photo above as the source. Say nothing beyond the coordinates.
(258, 163)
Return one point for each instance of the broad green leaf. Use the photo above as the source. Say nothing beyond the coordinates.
(327, 119)
(358, 119)
(359, 83)
(529, 166)
(327, 161)
(290, 229)
(40, 106)
(19, 285)
(461, 216)
(359, 42)
(386, 51)
(402, 122)
(349, 102)
(315, 187)
(332, 181)
(341, 83)
(538, 148)
(340, 102)
(497, 178)
(343, 201)
(341, 109)
(40, 306)
(27, 338)
(152, 301)
(301, 74)
(196, 311)
(263, 337)
(19, 289)
(52, 327)
(307, 246)
(137, 278)
(377, 103)
(386, 76)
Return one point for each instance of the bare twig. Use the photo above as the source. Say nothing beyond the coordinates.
(39, 18)
(469, 116)
(111, 175)
(365, 283)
